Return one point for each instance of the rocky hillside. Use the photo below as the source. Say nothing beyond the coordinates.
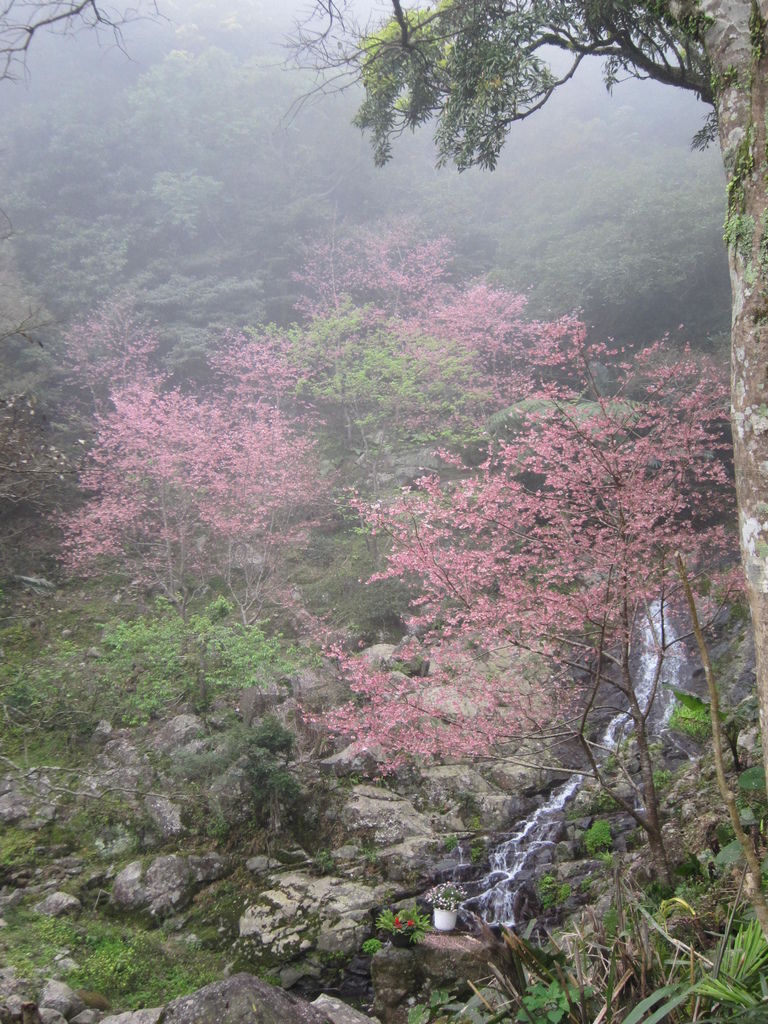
(141, 862)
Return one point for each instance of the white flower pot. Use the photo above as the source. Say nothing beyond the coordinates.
(445, 920)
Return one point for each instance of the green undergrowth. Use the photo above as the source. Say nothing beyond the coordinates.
(58, 679)
(127, 965)
(333, 577)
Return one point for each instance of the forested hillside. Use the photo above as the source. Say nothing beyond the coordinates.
(345, 514)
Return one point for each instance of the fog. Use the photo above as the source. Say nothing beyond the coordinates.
(188, 163)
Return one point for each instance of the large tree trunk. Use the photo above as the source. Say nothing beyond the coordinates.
(737, 46)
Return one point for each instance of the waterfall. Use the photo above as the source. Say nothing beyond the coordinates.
(532, 845)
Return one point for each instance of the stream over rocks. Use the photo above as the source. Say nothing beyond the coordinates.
(502, 896)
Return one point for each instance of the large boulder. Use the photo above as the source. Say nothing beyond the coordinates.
(303, 920)
(404, 976)
(58, 904)
(14, 807)
(167, 885)
(339, 1012)
(242, 999)
(178, 732)
(318, 688)
(60, 997)
(165, 815)
(119, 763)
(230, 796)
(31, 805)
(382, 816)
(255, 701)
(149, 1016)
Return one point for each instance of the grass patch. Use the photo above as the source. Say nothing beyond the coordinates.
(129, 966)
(57, 683)
(17, 847)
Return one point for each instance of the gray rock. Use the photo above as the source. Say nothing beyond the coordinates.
(121, 764)
(87, 1017)
(58, 996)
(116, 841)
(102, 733)
(302, 913)
(14, 808)
(149, 1016)
(318, 688)
(355, 760)
(255, 701)
(403, 976)
(241, 999)
(261, 865)
(165, 814)
(177, 732)
(231, 795)
(50, 1016)
(128, 892)
(339, 1012)
(379, 654)
(383, 816)
(11, 1010)
(167, 885)
(58, 904)
(65, 965)
(119, 752)
(10, 899)
(13, 991)
(208, 867)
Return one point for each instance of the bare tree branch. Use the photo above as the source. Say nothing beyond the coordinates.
(22, 20)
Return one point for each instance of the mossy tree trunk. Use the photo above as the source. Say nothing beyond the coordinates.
(737, 47)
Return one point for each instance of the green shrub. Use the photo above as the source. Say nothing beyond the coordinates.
(263, 753)
(691, 716)
(141, 667)
(551, 892)
(598, 838)
(603, 803)
(324, 861)
(477, 849)
(549, 1003)
(372, 946)
(166, 658)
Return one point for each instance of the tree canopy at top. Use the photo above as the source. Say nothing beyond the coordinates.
(477, 66)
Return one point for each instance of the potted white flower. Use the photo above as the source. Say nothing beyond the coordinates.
(446, 899)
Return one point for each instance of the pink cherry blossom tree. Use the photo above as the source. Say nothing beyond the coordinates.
(108, 350)
(555, 551)
(186, 490)
(395, 353)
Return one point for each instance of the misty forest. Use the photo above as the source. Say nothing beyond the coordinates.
(383, 492)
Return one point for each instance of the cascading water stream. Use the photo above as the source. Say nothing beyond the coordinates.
(499, 897)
